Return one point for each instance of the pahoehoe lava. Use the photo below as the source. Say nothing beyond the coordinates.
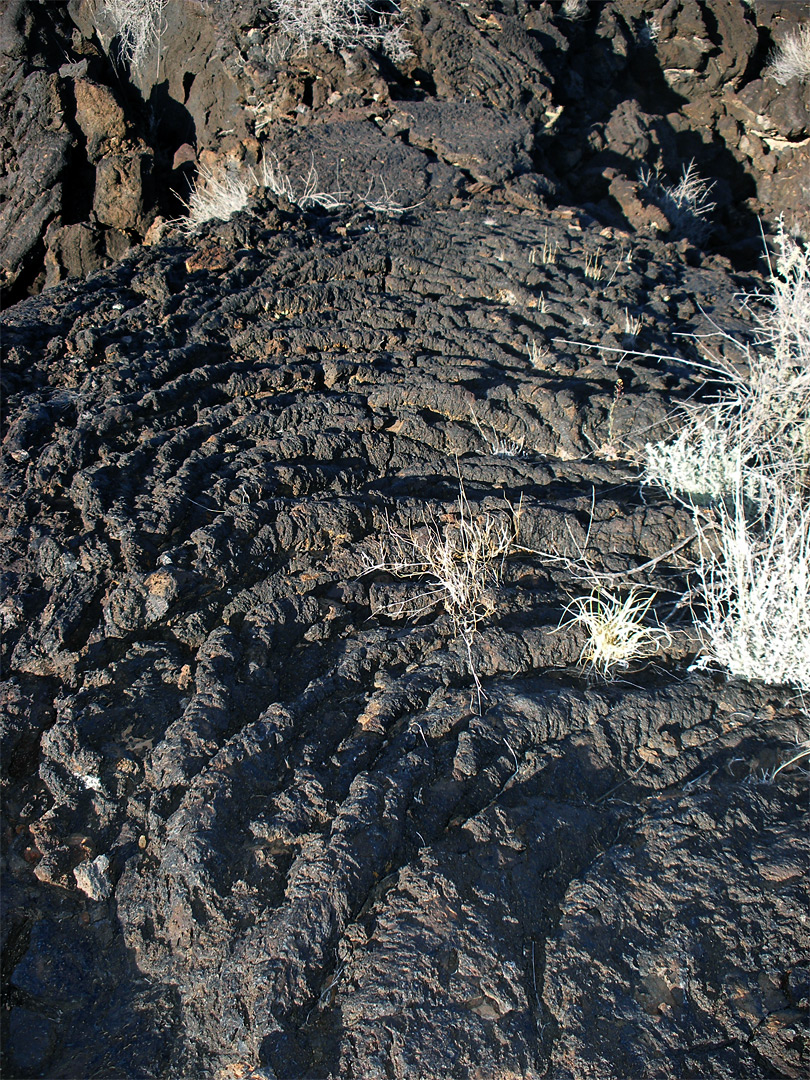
(255, 823)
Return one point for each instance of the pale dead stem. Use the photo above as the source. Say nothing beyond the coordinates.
(499, 445)
(139, 25)
(800, 755)
(462, 561)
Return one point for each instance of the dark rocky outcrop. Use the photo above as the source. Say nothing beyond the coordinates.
(78, 189)
(36, 143)
(525, 104)
(255, 823)
(265, 815)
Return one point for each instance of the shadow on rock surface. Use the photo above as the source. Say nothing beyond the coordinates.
(257, 805)
(511, 102)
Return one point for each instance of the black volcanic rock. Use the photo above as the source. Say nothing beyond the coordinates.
(516, 98)
(266, 814)
(35, 143)
(255, 822)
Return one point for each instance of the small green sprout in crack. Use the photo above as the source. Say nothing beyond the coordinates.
(610, 449)
(461, 560)
(618, 634)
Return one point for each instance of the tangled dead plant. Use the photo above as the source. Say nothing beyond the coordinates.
(461, 561)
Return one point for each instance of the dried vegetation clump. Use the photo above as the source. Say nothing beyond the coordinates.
(746, 454)
(220, 192)
(460, 559)
(341, 24)
(686, 204)
(138, 25)
(791, 59)
(617, 627)
(701, 460)
(755, 585)
(216, 195)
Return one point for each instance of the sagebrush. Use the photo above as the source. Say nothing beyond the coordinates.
(747, 452)
(756, 432)
(755, 588)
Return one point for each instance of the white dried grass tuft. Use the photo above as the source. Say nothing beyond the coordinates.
(574, 10)
(217, 195)
(500, 445)
(791, 59)
(618, 634)
(749, 454)
(766, 400)
(462, 558)
(221, 192)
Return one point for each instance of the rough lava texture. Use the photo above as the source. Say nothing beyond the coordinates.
(508, 100)
(257, 821)
(254, 819)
